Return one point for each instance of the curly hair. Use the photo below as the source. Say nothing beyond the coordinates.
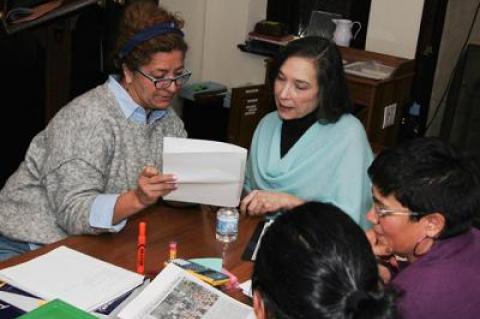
(138, 16)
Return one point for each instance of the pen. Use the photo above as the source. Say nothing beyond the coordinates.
(142, 238)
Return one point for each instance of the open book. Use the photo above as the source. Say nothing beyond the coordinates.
(76, 278)
(175, 293)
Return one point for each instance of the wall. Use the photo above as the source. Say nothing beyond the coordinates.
(215, 27)
(458, 19)
(213, 30)
(193, 12)
(393, 27)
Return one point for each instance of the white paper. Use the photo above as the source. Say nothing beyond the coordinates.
(259, 242)
(246, 287)
(76, 278)
(25, 303)
(175, 293)
(208, 172)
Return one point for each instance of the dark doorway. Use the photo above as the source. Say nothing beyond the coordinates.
(462, 108)
(428, 46)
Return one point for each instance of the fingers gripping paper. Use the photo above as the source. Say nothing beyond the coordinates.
(208, 172)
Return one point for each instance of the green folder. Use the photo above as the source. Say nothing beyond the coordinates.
(57, 309)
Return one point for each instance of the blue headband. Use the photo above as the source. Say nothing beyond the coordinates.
(146, 34)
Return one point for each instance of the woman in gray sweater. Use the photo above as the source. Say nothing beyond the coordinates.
(96, 163)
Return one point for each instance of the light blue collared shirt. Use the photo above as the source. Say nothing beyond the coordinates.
(130, 108)
(101, 212)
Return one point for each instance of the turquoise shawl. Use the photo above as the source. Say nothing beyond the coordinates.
(328, 164)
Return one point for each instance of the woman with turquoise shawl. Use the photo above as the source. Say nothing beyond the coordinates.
(311, 148)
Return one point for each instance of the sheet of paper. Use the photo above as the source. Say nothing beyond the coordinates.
(208, 172)
(23, 302)
(76, 278)
(259, 242)
(246, 287)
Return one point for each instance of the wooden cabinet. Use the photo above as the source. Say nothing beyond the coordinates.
(45, 62)
(370, 97)
(248, 106)
(53, 32)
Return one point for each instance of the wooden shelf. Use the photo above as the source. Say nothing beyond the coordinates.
(53, 32)
(67, 7)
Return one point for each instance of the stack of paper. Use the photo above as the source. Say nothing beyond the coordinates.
(208, 172)
(76, 278)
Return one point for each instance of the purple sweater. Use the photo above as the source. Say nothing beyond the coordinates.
(445, 283)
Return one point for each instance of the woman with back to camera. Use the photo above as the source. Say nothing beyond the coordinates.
(85, 173)
(315, 262)
(311, 148)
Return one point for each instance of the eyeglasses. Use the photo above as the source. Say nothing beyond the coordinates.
(382, 212)
(163, 83)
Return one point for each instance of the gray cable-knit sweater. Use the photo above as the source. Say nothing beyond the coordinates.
(88, 148)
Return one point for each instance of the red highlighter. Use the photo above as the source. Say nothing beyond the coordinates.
(142, 239)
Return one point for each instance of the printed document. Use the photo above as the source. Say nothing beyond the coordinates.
(208, 172)
(76, 278)
(175, 293)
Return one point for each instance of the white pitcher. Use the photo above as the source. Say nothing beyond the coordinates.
(343, 31)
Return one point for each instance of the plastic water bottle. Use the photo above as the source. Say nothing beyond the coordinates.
(227, 224)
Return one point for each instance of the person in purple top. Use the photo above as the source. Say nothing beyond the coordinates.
(426, 196)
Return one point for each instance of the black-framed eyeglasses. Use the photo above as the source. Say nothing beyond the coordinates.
(163, 83)
(383, 211)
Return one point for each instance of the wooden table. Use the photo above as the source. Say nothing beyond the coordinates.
(192, 228)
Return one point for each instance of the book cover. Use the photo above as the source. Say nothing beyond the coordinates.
(56, 309)
(213, 277)
(9, 311)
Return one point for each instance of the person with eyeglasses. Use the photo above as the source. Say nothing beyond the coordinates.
(98, 160)
(426, 195)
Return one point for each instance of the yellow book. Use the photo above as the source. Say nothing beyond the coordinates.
(213, 277)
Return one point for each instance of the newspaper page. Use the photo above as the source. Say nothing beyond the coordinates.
(176, 294)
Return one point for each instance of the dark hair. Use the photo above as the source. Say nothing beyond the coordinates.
(427, 175)
(138, 16)
(316, 262)
(334, 99)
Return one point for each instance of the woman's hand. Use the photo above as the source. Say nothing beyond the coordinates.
(259, 202)
(384, 254)
(151, 185)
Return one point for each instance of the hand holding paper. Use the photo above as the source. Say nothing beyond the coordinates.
(151, 185)
(208, 172)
